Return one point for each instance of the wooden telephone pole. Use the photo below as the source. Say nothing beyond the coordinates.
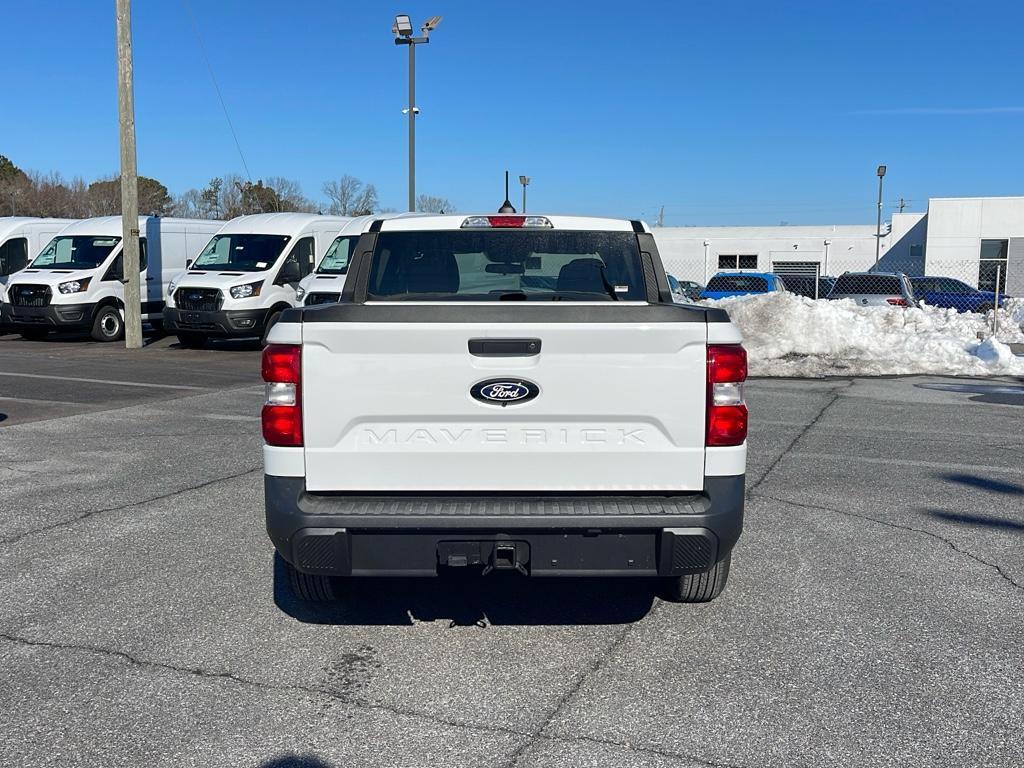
(129, 179)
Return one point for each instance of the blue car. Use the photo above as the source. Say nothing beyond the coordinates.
(726, 284)
(953, 294)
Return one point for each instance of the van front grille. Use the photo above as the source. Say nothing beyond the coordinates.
(30, 295)
(199, 299)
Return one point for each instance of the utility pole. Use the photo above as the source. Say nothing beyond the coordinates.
(129, 179)
(661, 217)
(903, 204)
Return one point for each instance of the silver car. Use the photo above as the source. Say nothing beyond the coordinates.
(875, 289)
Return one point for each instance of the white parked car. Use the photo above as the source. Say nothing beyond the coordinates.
(500, 392)
(75, 283)
(247, 275)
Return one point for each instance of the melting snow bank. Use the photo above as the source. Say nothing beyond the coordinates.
(790, 335)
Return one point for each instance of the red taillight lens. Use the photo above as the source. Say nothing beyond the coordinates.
(898, 302)
(727, 425)
(506, 221)
(282, 363)
(726, 411)
(282, 412)
(726, 363)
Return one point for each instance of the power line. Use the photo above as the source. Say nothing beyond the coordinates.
(216, 87)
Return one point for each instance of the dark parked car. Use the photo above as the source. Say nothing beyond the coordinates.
(804, 285)
(684, 291)
(953, 294)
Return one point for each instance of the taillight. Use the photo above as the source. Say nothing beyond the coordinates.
(726, 410)
(282, 411)
(898, 302)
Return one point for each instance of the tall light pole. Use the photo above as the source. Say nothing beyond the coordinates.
(402, 29)
(129, 181)
(524, 180)
(878, 226)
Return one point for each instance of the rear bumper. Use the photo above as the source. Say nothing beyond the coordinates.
(222, 322)
(52, 316)
(550, 535)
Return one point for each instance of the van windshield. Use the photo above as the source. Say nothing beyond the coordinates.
(490, 265)
(335, 261)
(241, 253)
(77, 252)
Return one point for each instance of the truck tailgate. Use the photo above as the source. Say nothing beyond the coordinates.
(388, 407)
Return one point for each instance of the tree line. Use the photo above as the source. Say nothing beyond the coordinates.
(30, 193)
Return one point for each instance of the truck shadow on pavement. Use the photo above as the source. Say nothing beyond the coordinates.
(992, 394)
(471, 600)
(296, 761)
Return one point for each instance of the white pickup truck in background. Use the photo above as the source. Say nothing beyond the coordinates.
(503, 392)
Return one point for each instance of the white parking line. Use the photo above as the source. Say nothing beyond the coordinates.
(106, 381)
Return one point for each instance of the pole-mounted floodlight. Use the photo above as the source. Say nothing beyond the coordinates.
(402, 29)
(402, 25)
(524, 180)
(878, 225)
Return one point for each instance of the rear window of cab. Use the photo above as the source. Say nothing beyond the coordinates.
(506, 265)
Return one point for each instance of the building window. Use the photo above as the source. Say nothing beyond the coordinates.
(993, 265)
(737, 261)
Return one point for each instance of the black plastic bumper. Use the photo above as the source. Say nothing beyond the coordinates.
(221, 322)
(52, 316)
(548, 535)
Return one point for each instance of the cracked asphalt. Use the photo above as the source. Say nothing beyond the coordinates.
(873, 615)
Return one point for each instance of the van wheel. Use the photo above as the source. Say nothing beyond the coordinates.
(700, 587)
(191, 340)
(34, 335)
(271, 322)
(108, 324)
(314, 589)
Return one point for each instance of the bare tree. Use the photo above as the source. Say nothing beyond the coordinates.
(290, 197)
(431, 204)
(350, 197)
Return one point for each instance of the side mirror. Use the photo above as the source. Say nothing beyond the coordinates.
(188, 264)
(290, 273)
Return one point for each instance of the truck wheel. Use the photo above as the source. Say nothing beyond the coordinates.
(699, 587)
(34, 335)
(108, 325)
(191, 340)
(271, 322)
(315, 589)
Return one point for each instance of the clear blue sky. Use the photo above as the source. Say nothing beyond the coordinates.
(723, 112)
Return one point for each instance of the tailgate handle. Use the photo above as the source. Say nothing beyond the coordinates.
(504, 347)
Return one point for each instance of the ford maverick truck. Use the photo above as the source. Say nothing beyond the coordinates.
(505, 392)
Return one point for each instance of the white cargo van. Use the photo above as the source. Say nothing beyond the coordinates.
(21, 238)
(323, 286)
(247, 275)
(75, 283)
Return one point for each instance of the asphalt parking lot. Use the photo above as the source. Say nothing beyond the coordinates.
(873, 616)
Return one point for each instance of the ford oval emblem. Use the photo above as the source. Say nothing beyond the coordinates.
(504, 391)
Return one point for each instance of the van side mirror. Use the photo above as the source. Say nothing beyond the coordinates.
(289, 273)
(188, 264)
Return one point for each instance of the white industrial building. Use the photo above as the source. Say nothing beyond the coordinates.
(970, 238)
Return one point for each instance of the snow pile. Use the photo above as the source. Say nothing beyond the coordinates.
(790, 335)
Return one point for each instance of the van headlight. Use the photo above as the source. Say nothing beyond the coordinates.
(247, 290)
(300, 292)
(74, 286)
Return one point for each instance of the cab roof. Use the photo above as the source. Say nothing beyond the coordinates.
(111, 225)
(558, 222)
(10, 225)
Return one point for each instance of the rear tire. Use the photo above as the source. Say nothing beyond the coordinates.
(108, 325)
(34, 335)
(271, 322)
(700, 587)
(191, 340)
(314, 589)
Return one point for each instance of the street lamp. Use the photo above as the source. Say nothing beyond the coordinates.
(878, 226)
(402, 29)
(524, 180)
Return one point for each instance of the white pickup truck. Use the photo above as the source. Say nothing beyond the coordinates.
(504, 392)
